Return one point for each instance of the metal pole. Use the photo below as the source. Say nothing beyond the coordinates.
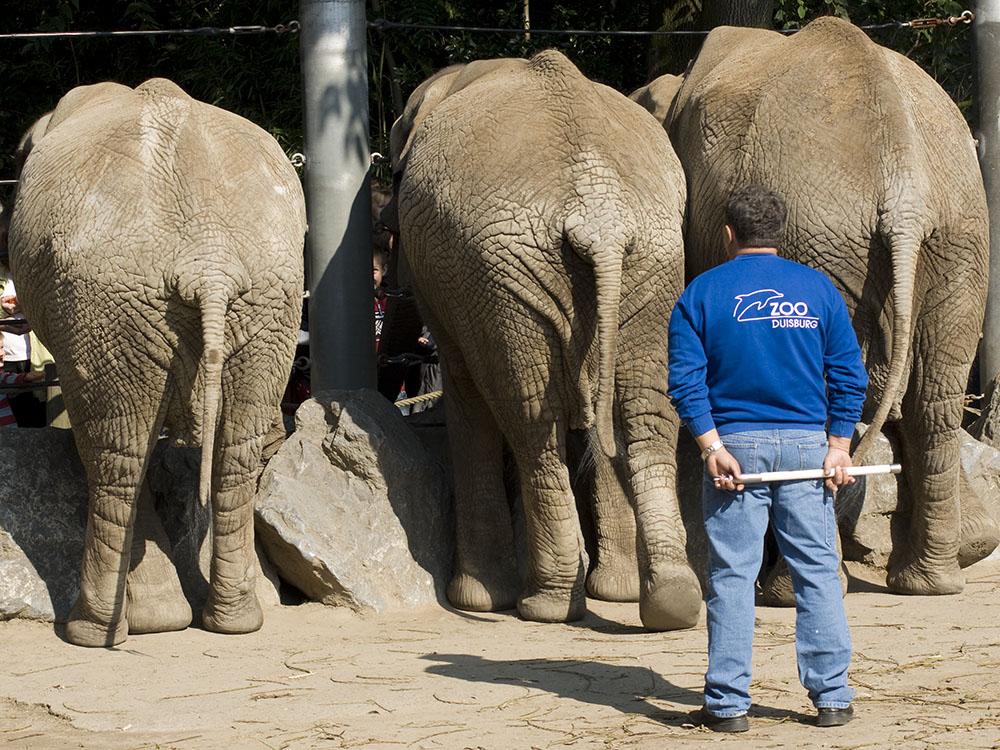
(338, 196)
(986, 38)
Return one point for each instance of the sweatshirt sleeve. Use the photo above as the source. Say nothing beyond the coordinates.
(10, 378)
(846, 379)
(688, 368)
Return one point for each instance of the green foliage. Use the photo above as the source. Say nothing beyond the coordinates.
(945, 52)
(258, 76)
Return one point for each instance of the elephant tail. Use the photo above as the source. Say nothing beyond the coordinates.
(606, 255)
(608, 278)
(213, 328)
(904, 239)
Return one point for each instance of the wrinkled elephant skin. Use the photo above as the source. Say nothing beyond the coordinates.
(885, 195)
(157, 246)
(540, 214)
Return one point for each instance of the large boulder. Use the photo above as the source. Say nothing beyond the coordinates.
(873, 513)
(43, 513)
(353, 510)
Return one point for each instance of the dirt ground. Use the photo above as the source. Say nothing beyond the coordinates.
(314, 677)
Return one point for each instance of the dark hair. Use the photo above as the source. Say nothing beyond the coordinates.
(757, 216)
(381, 247)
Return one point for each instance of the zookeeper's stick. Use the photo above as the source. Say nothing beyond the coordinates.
(787, 476)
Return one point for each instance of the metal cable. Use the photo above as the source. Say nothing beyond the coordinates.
(281, 28)
(384, 25)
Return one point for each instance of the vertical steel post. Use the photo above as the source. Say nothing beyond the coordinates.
(986, 38)
(338, 196)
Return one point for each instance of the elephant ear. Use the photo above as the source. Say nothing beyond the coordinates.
(29, 140)
(446, 82)
(424, 98)
(82, 98)
(657, 96)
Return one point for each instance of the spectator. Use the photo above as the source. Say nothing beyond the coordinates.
(380, 269)
(26, 409)
(429, 373)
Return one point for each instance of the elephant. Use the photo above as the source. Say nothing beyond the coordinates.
(157, 242)
(540, 214)
(885, 195)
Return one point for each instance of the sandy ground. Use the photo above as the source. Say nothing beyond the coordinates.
(926, 671)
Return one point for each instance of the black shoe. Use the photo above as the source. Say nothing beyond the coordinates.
(721, 723)
(834, 717)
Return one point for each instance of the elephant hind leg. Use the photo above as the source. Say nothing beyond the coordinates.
(486, 577)
(615, 576)
(980, 532)
(554, 591)
(927, 564)
(98, 617)
(114, 449)
(232, 605)
(156, 601)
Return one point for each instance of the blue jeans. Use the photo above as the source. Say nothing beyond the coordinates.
(801, 513)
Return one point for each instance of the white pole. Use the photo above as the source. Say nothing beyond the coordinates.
(790, 476)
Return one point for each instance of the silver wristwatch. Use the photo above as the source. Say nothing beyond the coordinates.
(716, 446)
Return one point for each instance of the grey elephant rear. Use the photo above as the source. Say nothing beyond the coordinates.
(885, 196)
(541, 215)
(157, 242)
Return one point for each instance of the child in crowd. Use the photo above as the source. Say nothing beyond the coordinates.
(380, 267)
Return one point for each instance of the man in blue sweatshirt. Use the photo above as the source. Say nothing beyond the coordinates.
(766, 372)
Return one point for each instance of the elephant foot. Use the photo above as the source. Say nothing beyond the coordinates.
(84, 630)
(976, 548)
(980, 534)
(474, 594)
(614, 582)
(777, 590)
(241, 615)
(925, 579)
(552, 606)
(157, 608)
(670, 598)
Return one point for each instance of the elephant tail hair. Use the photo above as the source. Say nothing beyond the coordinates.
(213, 327)
(903, 238)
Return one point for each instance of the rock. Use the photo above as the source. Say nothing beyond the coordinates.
(43, 513)
(353, 511)
(866, 508)
(873, 512)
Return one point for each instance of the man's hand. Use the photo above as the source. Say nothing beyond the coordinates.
(725, 470)
(722, 467)
(838, 458)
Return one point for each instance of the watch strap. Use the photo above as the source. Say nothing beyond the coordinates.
(715, 446)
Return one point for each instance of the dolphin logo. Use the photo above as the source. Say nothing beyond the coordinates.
(754, 302)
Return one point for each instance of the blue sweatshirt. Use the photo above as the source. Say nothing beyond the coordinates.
(762, 342)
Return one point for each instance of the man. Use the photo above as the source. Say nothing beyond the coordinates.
(766, 372)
